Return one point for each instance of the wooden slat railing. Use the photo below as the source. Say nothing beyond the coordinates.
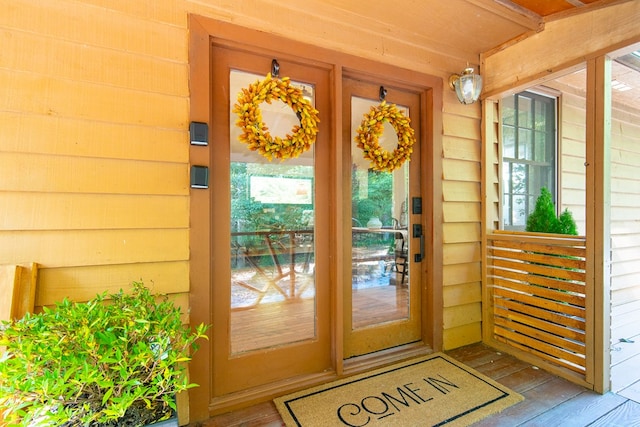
(536, 283)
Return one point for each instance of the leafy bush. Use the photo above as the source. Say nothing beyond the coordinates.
(544, 220)
(100, 363)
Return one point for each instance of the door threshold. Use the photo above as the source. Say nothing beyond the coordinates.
(367, 362)
(245, 398)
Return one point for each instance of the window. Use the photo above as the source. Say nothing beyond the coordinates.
(528, 154)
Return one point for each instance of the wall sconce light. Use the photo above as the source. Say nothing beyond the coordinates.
(467, 86)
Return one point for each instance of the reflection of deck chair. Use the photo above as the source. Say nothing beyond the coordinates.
(17, 290)
(401, 263)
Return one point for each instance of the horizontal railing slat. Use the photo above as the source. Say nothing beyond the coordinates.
(535, 279)
(554, 328)
(539, 313)
(539, 298)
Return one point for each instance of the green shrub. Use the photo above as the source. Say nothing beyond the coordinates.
(544, 220)
(100, 363)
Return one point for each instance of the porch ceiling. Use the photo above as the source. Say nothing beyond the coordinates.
(462, 29)
(547, 8)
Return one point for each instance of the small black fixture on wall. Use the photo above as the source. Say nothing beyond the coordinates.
(199, 177)
(199, 133)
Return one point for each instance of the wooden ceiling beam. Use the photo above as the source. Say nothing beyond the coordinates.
(537, 58)
(512, 12)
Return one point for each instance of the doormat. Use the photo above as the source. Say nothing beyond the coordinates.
(435, 390)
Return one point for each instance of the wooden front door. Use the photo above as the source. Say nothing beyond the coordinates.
(284, 265)
(384, 238)
(269, 222)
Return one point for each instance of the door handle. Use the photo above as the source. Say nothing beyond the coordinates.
(417, 232)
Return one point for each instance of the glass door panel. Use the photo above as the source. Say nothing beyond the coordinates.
(271, 322)
(272, 236)
(382, 305)
(379, 245)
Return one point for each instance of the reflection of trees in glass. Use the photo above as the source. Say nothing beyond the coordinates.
(379, 200)
(248, 214)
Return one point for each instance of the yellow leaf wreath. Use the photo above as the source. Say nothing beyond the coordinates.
(372, 127)
(256, 134)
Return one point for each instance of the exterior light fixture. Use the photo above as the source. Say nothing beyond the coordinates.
(467, 86)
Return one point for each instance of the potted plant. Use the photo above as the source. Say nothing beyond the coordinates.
(544, 220)
(115, 361)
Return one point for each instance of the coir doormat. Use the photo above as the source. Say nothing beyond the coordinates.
(430, 391)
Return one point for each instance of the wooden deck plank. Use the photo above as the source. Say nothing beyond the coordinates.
(578, 411)
(627, 415)
(550, 401)
(537, 401)
(632, 392)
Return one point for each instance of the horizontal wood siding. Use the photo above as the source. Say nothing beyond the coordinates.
(94, 145)
(573, 156)
(461, 228)
(625, 245)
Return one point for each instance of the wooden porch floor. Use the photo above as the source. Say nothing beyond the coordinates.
(549, 400)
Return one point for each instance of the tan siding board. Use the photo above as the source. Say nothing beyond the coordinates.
(68, 211)
(62, 59)
(461, 127)
(466, 293)
(167, 12)
(461, 212)
(89, 175)
(460, 253)
(462, 335)
(94, 247)
(461, 232)
(31, 133)
(462, 315)
(457, 191)
(89, 101)
(96, 26)
(460, 170)
(456, 274)
(461, 148)
(83, 283)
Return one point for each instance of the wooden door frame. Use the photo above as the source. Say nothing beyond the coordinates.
(202, 31)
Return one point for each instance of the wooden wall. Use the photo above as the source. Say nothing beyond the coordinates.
(93, 158)
(625, 211)
(94, 145)
(625, 245)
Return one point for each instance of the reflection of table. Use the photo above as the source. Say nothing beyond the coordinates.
(400, 233)
(277, 243)
(373, 254)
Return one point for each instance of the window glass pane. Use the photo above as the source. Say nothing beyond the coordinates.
(525, 144)
(518, 214)
(540, 145)
(518, 178)
(524, 113)
(508, 111)
(528, 154)
(508, 142)
(541, 116)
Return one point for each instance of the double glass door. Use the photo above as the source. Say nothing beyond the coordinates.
(275, 280)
